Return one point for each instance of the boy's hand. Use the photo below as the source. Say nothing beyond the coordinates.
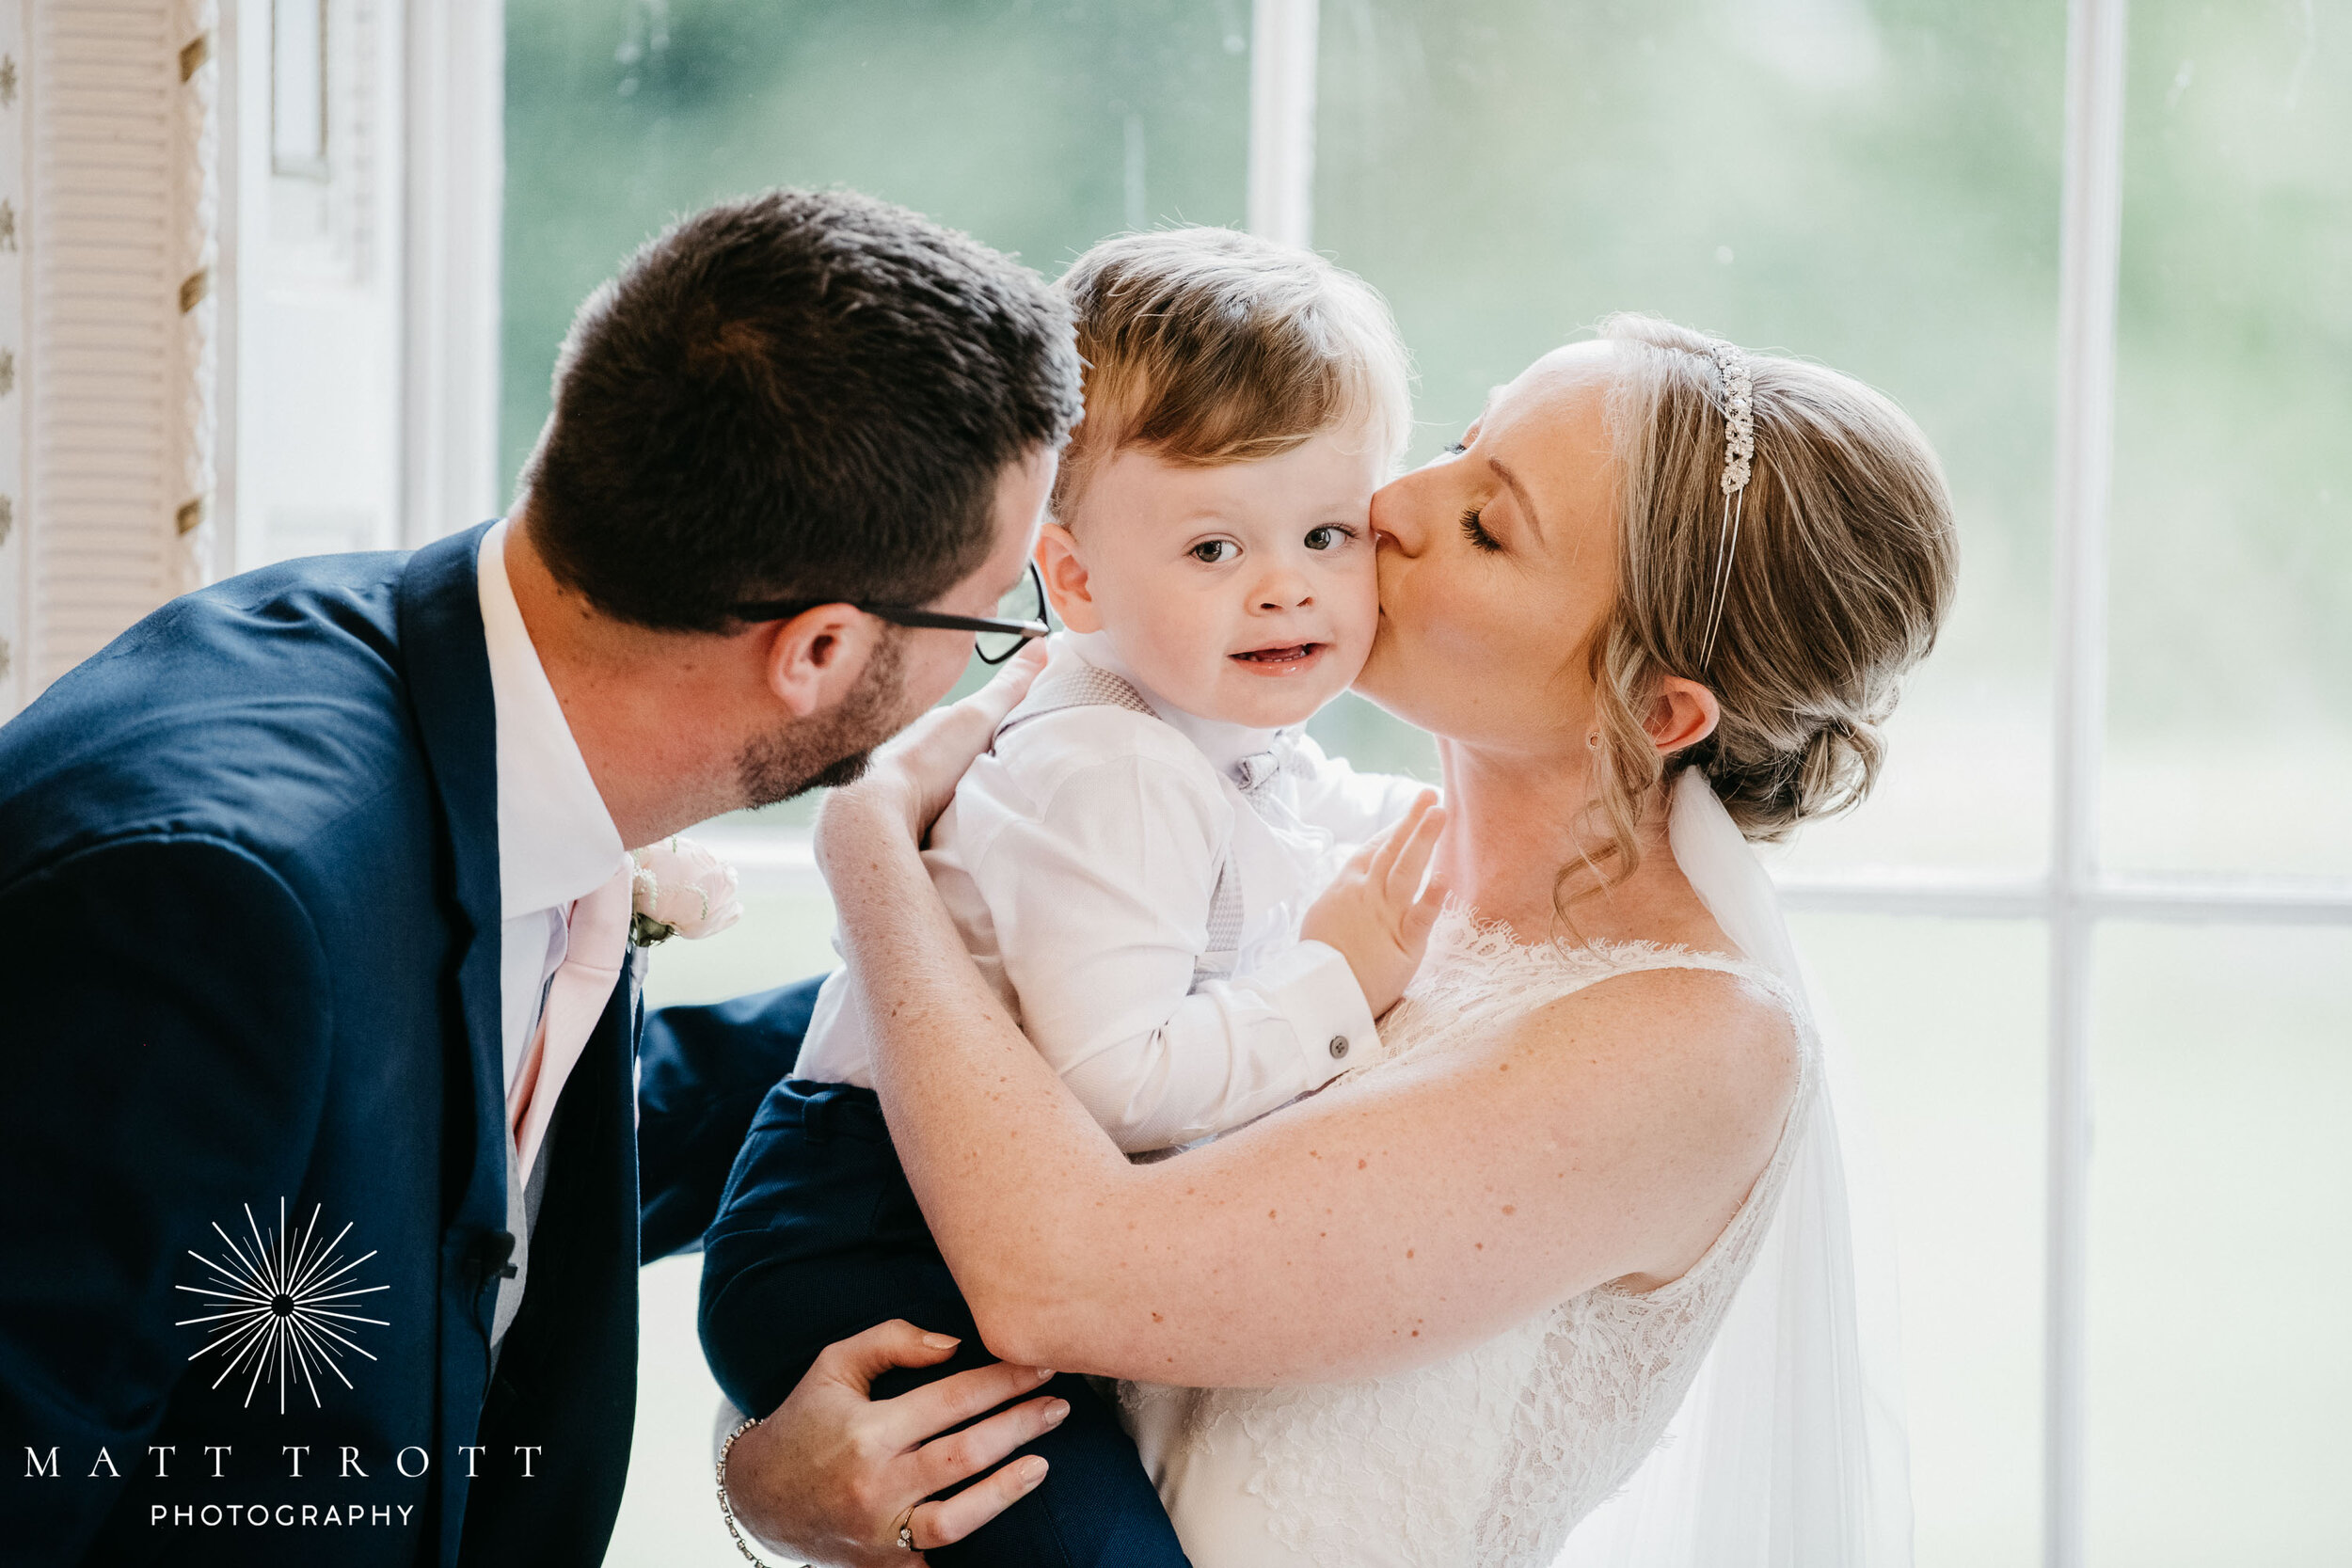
(1376, 912)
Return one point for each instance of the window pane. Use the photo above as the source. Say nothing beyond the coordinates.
(2233, 516)
(1374, 742)
(668, 1518)
(786, 935)
(1875, 185)
(1039, 129)
(1955, 1092)
(2219, 1366)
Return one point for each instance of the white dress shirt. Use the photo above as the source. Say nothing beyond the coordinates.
(556, 841)
(1079, 858)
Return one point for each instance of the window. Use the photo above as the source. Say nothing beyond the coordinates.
(2103, 266)
(1039, 128)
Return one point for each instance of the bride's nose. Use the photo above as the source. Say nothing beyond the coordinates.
(1396, 508)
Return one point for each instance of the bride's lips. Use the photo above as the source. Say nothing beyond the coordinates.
(1281, 658)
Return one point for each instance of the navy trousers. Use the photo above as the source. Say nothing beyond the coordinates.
(818, 1238)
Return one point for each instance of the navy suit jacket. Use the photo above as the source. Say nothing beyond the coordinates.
(249, 858)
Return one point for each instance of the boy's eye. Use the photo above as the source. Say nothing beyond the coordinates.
(1330, 537)
(1215, 552)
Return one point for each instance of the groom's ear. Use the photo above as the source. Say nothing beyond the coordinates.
(815, 659)
(1065, 576)
(1684, 714)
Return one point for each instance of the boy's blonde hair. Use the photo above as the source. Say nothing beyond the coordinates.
(1209, 345)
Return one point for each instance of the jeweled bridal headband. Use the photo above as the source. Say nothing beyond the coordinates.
(1738, 463)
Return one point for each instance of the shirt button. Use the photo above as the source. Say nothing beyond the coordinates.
(1339, 1046)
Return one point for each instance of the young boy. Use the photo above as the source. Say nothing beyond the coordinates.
(1135, 864)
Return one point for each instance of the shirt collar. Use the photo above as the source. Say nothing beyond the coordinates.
(556, 841)
(1222, 742)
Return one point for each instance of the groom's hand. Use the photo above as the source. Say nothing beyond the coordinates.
(832, 1473)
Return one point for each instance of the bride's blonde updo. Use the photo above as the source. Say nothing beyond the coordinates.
(1843, 569)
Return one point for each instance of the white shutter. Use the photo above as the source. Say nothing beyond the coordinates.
(175, 281)
(15, 592)
(114, 238)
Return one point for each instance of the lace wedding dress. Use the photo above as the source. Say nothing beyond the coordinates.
(1487, 1458)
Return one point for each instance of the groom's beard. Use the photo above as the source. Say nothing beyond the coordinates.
(829, 748)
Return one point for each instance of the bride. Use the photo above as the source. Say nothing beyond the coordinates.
(1655, 601)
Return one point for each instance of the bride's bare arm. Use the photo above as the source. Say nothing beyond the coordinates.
(1376, 1226)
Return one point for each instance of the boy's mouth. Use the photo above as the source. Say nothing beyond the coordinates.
(1281, 655)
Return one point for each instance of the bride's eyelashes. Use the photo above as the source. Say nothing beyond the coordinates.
(1456, 447)
(1474, 529)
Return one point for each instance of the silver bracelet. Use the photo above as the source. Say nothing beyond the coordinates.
(727, 1508)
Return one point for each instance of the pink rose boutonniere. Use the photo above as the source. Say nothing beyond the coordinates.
(681, 890)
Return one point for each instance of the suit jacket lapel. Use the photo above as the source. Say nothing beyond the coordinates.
(448, 670)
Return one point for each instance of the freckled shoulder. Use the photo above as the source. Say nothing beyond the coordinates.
(1699, 1033)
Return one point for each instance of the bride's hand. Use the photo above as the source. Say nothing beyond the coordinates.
(914, 776)
(1376, 912)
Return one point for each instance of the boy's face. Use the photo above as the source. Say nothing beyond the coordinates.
(1245, 592)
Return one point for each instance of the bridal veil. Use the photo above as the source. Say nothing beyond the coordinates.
(1788, 1451)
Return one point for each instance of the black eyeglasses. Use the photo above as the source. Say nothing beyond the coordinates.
(996, 640)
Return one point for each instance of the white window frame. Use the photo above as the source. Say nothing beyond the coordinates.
(2075, 895)
(456, 139)
(425, 163)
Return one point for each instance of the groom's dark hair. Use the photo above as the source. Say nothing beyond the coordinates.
(800, 395)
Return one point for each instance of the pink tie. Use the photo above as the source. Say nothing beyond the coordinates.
(595, 946)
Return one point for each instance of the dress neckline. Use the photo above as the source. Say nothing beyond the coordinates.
(1463, 934)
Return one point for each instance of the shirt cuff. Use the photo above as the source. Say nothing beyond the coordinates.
(1312, 987)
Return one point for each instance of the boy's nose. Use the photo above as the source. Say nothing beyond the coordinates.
(1285, 589)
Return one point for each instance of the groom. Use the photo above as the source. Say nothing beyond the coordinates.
(319, 1094)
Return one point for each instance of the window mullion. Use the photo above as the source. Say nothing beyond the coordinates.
(1282, 120)
(2089, 245)
(2176, 900)
(455, 131)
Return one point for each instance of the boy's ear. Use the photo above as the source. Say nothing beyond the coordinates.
(1065, 577)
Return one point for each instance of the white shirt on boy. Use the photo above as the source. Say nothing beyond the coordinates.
(1079, 859)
